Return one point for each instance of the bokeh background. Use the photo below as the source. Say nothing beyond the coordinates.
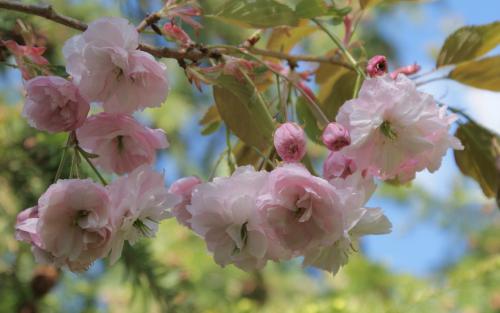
(442, 256)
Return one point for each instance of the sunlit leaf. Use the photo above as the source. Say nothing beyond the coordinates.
(317, 8)
(240, 109)
(256, 13)
(478, 159)
(283, 39)
(484, 73)
(468, 43)
(336, 91)
(210, 121)
(247, 155)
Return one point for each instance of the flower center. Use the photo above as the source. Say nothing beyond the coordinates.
(119, 142)
(81, 214)
(387, 130)
(244, 238)
(143, 228)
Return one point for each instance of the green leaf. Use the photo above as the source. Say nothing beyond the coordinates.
(247, 155)
(484, 73)
(468, 43)
(317, 8)
(210, 121)
(256, 13)
(283, 39)
(244, 114)
(335, 92)
(307, 120)
(478, 159)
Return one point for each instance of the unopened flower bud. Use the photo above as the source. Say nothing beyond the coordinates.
(290, 142)
(377, 66)
(335, 137)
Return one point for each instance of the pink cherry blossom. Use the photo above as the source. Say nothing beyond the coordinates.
(337, 165)
(396, 129)
(377, 66)
(143, 84)
(139, 202)
(29, 59)
(359, 222)
(121, 143)
(224, 213)
(290, 142)
(303, 211)
(335, 136)
(184, 188)
(70, 226)
(107, 68)
(353, 191)
(54, 104)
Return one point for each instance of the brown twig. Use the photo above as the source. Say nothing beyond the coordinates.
(49, 13)
(43, 10)
(150, 19)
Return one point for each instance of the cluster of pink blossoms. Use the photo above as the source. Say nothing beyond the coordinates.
(391, 131)
(77, 221)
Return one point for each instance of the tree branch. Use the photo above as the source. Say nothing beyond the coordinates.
(193, 54)
(49, 13)
(44, 11)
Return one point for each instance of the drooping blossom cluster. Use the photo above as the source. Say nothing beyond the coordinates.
(77, 221)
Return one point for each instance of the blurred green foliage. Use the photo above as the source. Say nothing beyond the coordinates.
(174, 272)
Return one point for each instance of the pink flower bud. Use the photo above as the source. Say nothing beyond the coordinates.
(335, 137)
(290, 142)
(377, 66)
(407, 70)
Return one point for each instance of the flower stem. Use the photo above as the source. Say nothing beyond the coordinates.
(86, 158)
(230, 162)
(63, 158)
(341, 46)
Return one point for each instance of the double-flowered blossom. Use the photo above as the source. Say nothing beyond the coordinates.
(184, 188)
(107, 67)
(139, 202)
(121, 143)
(353, 191)
(54, 104)
(290, 142)
(224, 212)
(395, 129)
(302, 211)
(70, 226)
